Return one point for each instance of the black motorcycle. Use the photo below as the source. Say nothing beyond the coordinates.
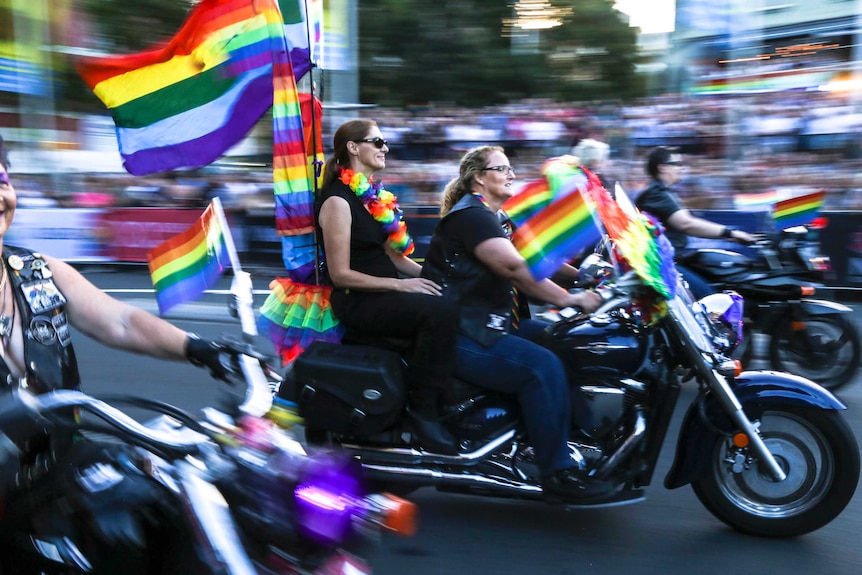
(767, 453)
(813, 338)
(236, 491)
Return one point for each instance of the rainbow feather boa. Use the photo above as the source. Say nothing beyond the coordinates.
(383, 207)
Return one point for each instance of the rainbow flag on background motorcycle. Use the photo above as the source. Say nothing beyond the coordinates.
(797, 211)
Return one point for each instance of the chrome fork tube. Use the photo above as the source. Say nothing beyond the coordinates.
(734, 410)
(698, 347)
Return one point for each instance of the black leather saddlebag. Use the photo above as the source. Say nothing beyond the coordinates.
(352, 389)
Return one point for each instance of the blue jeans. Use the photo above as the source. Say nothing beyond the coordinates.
(536, 376)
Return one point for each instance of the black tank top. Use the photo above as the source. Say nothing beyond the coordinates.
(367, 237)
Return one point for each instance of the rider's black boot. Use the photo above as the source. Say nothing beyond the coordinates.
(424, 418)
(572, 486)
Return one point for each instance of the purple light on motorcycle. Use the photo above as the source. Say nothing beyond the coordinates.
(733, 314)
(323, 515)
(327, 497)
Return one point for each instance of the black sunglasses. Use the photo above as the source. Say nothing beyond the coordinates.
(378, 142)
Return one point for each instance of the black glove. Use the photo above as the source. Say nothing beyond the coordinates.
(221, 357)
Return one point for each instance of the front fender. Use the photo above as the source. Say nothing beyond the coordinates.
(823, 307)
(757, 391)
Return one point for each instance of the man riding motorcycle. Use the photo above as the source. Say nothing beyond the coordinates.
(664, 165)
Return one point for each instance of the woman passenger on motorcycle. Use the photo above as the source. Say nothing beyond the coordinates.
(376, 287)
(472, 256)
(41, 298)
(664, 165)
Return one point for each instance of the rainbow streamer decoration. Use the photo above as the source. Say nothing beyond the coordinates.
(797, 211)
(295, 314)
(557, 232)
(186, 265)
(638, 237)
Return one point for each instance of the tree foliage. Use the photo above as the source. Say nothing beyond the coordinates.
(418, 51)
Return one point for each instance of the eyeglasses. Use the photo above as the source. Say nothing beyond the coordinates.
(673, 163)
(504, 169)
(378, 142)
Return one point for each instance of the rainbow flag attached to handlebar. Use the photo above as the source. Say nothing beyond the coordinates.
(797, 211)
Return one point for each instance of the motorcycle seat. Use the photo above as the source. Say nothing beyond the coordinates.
(400, 345)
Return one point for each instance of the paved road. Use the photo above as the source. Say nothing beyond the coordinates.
(668, 534)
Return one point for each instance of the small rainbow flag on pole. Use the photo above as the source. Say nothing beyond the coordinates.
(797, 211)
(186, 265)
(556, 234)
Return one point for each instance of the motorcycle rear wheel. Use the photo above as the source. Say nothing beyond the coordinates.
(827, 351)
(818, 452)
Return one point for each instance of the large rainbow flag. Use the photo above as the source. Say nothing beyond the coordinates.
(184, 104)
(797, 211)
(186, 265)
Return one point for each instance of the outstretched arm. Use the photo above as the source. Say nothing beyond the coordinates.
(112, 322)
(684, 221)
(504, 260)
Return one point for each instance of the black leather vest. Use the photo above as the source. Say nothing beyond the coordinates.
(48, 353)
(484, 298)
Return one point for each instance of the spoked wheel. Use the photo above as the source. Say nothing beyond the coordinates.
(818, 452)
(826, 351)
(317, 439)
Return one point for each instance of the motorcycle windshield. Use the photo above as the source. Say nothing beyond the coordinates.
(684, 317)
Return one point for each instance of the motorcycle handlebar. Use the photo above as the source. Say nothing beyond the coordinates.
(25, 415)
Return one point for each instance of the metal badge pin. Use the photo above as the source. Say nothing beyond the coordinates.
(15, 262)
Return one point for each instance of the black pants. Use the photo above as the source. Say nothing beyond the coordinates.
(431, 322)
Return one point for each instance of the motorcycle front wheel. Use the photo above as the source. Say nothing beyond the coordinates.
(818, 452)
(825, 351)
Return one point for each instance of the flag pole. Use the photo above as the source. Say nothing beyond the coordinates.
(316, 165)
(241, 286)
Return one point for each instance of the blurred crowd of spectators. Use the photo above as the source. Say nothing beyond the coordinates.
(733, 144)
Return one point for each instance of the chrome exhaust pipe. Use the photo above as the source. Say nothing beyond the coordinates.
(436, 477)
(625, 449)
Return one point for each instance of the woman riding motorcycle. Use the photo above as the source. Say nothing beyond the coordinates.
(471, 256)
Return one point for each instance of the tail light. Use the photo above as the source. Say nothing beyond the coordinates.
(818, 223)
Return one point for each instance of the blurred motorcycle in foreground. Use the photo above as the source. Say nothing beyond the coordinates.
(236, 492)
(814, 338)
(767, 453)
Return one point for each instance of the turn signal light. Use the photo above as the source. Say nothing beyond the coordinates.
(399, 515)
(807, 290)
(740, 440)
(797, 325)
(737, 367)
